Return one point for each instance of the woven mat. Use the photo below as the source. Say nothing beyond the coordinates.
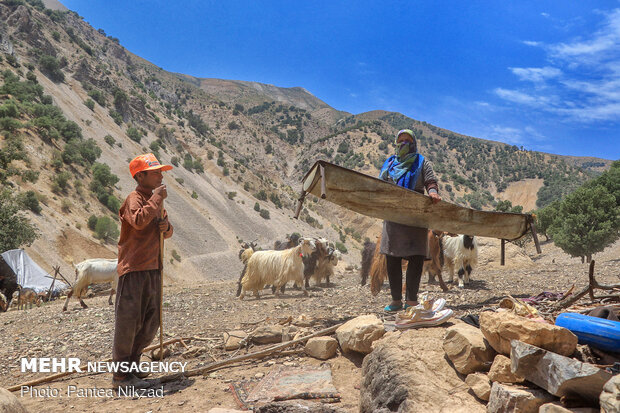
(286, 383)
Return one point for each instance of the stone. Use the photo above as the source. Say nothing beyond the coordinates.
(502, 326)
(480, 384)
(298, 406)
(557, 407)
(289, 332)
(500, 371)
(359, 333)
(408, 372)
(321, 348)
(223, 410)
(304, 321)
(467, 348)
(267, 334)
(235, 339)
(507, 398)
(9, 403)
(559, 375)
(610, 396)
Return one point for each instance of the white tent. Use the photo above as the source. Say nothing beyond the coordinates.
(29, 274)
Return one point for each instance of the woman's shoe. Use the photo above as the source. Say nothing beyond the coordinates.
(390, 308)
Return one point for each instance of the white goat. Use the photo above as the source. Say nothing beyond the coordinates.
(276, 268)
(460, 252)
(93, 271)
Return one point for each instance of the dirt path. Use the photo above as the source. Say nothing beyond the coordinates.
(207, 310)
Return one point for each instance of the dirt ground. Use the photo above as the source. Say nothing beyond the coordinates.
(209, 309)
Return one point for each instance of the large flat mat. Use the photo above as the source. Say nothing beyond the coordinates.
(379, 199)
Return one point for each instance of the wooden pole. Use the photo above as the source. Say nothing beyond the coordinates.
(502, 260)
(161, 289)
(49, 293)
(535, 235)
(322, 171)
(300, 203)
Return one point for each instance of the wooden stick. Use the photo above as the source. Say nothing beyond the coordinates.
(300, 203)
(535, 235)
(161, 288)
(258, 354)
(49, 293)
(322, 171)
(502, 259)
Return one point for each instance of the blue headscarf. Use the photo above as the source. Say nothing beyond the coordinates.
(403, 168)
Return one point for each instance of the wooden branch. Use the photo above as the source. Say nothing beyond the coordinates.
(592, 284)
(258, 354)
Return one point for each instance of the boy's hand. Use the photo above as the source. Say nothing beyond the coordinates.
(161, 190)
(163, 224)
(434, 197)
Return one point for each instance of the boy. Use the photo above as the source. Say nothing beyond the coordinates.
(138, 295)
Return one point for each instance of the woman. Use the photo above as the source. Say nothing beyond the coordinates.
(409, 169)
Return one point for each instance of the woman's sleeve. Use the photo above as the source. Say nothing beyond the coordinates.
(430, 181)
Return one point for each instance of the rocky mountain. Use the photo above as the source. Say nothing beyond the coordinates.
(75, 107)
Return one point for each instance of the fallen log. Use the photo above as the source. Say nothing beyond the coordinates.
(258, 354)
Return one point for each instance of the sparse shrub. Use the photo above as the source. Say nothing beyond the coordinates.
(176, 255)
(97, 96)
(341, 247)
(30, 176)
(29, 200)
(134, 134)
(231, 195)
(90, 104)
(106, 229)
(56, 35)
(264, 214)
(118, 118)
(92, 222)
(261, 195)
(65, 205)
(15, 229)
(226, 171)
(257, 207)
(109, 139)
(180, 180)
(175, 161)
(51, 68)
(60, 182)
(194, 195)
(232, 125)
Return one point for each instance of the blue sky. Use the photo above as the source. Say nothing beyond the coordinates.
(537, 73)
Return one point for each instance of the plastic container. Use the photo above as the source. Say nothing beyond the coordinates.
(597, 332)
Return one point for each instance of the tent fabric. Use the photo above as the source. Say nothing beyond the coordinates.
(29, 274)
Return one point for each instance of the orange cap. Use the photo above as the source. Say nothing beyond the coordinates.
(146, 162)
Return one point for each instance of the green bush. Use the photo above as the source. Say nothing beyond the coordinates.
(341, 247)
(61, 181)
(106, 229)
(261, 195)
(226, 171)
(9, 110)
(231, 195)
(134, 134)
(264, 214)
(232, 125)
(174, 160)
(97, 96)
(16, 230)
(118, 118)
(194, 195)
(51, 68)
(81, 152)
(90, 104)
(109, 139)
(56, 35)
(30, 201)
(92, 222)
(9, 124)
(176, 255)
(257, 207)
(30, 176)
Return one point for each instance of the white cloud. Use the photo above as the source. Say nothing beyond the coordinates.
(506, 134)
(536, 74)
(544, 14)
(581, 81)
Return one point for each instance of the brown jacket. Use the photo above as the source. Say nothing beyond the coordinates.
(138, 246)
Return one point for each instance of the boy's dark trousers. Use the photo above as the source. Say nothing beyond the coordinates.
(138, 299)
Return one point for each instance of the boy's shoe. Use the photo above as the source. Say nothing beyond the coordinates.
(130, 380)
(390, 308)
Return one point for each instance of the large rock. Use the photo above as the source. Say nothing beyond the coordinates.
(610, 396)
(298, 406)
(9, 403)
(506, 398)
(235, 339)
(358, 334)
(559, 375)
(467, 348)
(408, 372)
(500, 371)
(480, 384)
(557, 407)
(267, 334)
(502, 326)
(321, 347)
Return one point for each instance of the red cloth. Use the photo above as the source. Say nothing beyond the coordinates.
(138, 246)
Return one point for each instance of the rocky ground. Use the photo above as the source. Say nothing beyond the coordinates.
(210, 309)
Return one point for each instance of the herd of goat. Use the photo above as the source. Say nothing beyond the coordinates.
(296, 259)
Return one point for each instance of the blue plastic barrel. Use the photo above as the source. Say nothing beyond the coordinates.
(597, 332)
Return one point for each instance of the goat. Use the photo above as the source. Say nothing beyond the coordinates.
(4, 305)
(27, 296)
(8, 280)
(316, 263)
(434, 265)
(325, 267)
(367, 255)
(93, 271)
(276, 268)
(461, 252)
(244, 256)
(290, 242)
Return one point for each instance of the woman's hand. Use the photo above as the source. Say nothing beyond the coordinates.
(434, 197)
(163, 224)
